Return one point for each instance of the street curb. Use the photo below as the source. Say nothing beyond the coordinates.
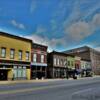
(42, 81)
(28, 81)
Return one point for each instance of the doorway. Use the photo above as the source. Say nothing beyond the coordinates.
(3, 74)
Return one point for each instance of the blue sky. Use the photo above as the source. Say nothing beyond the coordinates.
(60, 24)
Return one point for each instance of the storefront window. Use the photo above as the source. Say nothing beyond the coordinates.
(15, 72)
(24, 72)
(43, 68)
(19, 72)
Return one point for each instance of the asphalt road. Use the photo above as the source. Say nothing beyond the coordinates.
(83, 89)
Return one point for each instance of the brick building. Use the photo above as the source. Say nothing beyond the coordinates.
(88, 54)
(15, 57)
(57, 65)
(38, 61)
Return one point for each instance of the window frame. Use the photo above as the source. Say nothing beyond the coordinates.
(35, 57)
(12, 54)
(42, 58)
(27, 56)
(20, 57)
(3, 48)
(55, 61)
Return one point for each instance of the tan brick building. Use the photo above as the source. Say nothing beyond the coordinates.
(88, 54)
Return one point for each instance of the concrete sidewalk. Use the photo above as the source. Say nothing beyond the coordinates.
(28, 81)
(41, 80)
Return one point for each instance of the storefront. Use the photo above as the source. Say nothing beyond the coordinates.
(5, 74)
(6, 71)
(15, 57)
(14, 71)
(59, 73)
(77, 63)
(20, 72)
(38, 70)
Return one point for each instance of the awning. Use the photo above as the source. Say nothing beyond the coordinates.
(39, 64)
(14, 64)
(6, 68)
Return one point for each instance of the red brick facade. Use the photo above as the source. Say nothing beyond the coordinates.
(39, 61)
(40, 52)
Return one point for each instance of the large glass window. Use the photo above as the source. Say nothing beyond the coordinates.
(24, 72)
(20, 54)
(15, 72)
(27, 55)
(19, 71)
(3, 52)
(42, 58)
(34, 57)
(12, 52)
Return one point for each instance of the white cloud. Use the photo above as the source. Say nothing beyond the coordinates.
(73, 34)
(96, 21)
(21, 26)
(79, 30)
(14, 22)
(51, 43)
(18, 25)
(75, 26)
(78, 14)
(82, 29)
(75, 13)
(40, 29)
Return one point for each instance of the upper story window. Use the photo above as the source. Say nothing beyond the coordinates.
(68, 63)
(27, 55)
(61, 62)
(3, 52)
(55, 60)
(58, 62)
(65, 62)
(35, 57)
(42, 58)
(20, 54)
(12, 53)
(72, 63)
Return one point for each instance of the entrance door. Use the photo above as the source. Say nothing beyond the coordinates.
(3, 74)
(39, 75)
